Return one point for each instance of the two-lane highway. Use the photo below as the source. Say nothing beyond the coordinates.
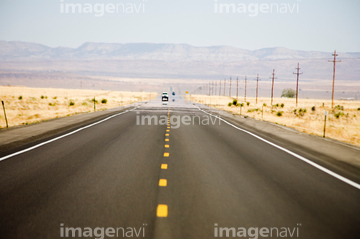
(187, 179)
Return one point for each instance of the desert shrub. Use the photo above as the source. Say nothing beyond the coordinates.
(55, 97)
(234, 101)
(84, 103)
(339, 107)
(52, 104)
(277, 105)
(20, 97)
(248, 103)
(229, 104)
(253, 110)
(71, 103)
(358, 108)
(42, 97)
(264, 104)
(238, 104)
(339, 114)
(288, 93)
(313, 108)
(94, 100)
(300, 112)
(282, 105)
(279, 113)
(241, 104)
(103, 101)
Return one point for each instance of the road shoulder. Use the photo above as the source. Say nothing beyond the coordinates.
(332, 154)
(18, 136)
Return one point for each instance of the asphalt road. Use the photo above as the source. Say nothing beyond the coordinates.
(117, 174)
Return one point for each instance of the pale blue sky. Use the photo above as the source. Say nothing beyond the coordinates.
(322, 25)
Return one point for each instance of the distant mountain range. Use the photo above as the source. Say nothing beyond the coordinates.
(14, 50)
(120, 66)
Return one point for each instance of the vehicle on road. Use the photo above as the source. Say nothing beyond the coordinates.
(165, 96)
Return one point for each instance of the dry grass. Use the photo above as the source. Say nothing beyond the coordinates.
(343, 125)
(30, 105)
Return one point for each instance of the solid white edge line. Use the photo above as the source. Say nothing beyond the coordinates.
(63, 136)
(308, 161)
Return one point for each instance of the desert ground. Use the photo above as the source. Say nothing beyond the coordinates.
(31, 105)
(343, 121)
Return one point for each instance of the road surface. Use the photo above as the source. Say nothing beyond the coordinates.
(205, 179)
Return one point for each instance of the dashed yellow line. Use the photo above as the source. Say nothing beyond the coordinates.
(162, 210)
(162, 182)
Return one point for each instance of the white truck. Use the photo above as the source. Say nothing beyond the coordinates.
(165, 96)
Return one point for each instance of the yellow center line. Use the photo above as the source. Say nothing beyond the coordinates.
(166, 139)
(164, 166)
(166, 134)
(167, 130)
(166, 154)
(162, 182)
(162, 210)
(167, 146)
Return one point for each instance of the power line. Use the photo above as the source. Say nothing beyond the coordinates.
(245, 88)
(257, 88)
(297, 82)
(209, 88)
(272, 86)
(230, 88)
(237, 87)
(333, 86)
(220, 88)
(224, 85)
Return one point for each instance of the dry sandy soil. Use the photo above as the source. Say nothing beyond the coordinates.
(31, 105)
(343, 123)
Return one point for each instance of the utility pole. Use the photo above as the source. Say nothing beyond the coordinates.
(209, 88)
(3, 105)
(245, 89)
(237, 87)
(220, 88)
(215, 87)
(230, 88)
(257, 88)
(224, 85)
(333, 86)
(272, 86)
(297, 83)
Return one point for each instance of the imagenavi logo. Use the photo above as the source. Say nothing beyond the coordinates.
(99, 9)
(254, 9)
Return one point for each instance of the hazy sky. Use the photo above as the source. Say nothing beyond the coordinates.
(322, 25)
